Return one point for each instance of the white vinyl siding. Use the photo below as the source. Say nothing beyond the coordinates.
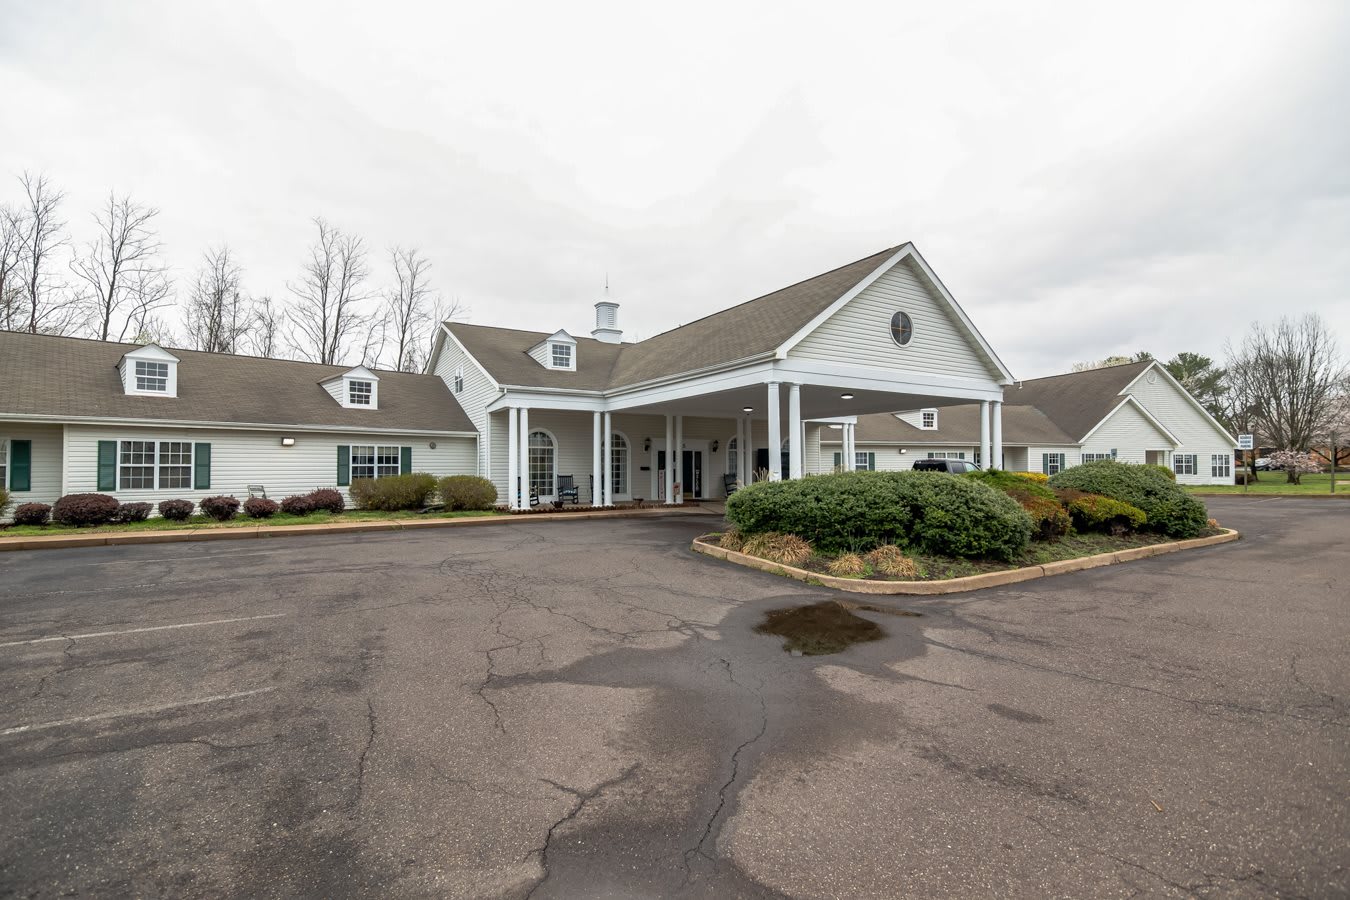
(859, 334)
(1195, 433)
(1129, 433)
(44, 464)
(1036, 457)
(478, 391)
(241, 458)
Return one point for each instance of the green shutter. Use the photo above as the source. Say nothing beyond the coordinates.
(404, 460)
(838, 460)
(20, 465)
(344, 465)
(201, 467)
(107, 465)
(871, 462)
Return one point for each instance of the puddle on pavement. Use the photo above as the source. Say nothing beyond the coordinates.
(819, 628)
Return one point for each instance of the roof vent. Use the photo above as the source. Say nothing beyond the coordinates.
(607, 322)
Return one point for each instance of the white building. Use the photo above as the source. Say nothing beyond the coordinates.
(1133, 413)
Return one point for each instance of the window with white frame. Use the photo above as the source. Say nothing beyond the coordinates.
(618, 463)
(459, 381)
(152, 376)
(359, 393)
(562, 356)
(1221, 465)
(864, 461)
(154, 465)
(372, 461)
(733, 458)
(1183, 463)
(946, 454)
(541, 463)
(1052, 463)
(929, 419)
(1096, 457)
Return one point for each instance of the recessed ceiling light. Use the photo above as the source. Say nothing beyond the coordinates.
(845, 396)
(837, 427)
(747, 409)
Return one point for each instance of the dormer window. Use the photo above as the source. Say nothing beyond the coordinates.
(359, 393)
(928, 418)
(557, 351)
(357, 388)
(152, 377)
(562, 356)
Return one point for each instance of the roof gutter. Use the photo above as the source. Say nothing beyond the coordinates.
(238, 426)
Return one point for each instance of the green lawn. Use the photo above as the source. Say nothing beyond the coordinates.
(1275, 483)
(318, 518)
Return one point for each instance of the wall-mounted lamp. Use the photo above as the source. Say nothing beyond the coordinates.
(432, 445)
(646, 445)
(288, 442)
(747, 409)
(714, 446)
(902, 449)
(845, 396)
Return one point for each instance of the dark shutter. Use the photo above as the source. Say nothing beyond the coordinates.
(344, 465)
(107, 465)
(838, 460)
(404, 460)
(20, 465)
(201, 467)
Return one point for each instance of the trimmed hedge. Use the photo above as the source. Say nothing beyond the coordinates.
(132, 512)
(260, 508)
(858, 511)
(32, 514)
(1049, 519)
(85, 509)
(297, 505)
(328, 499)
(1168, 508)
(176, 510)
(460, 492)
(393, 492)
(222, 509)
(1093, 512)
(4, 499)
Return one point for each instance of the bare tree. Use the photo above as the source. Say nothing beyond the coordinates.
(264, 332)
(48, 307)
(326, 313)
(216, 316)
(124, 277)
(12, 230)
(412, 310)
(1285, 376)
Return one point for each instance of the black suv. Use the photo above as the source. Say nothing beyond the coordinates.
(954, 466)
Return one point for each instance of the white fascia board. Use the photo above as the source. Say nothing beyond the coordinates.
(152, 352)
(1185, 393)
(222, 426)
(906, 251)
(867, 378)
(450, 336)
(577, 401)
(690, 388)
(1130, 401)
(835, 420)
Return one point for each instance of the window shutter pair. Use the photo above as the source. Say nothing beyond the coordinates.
(20, 466)
(344, 463)
(107, 466)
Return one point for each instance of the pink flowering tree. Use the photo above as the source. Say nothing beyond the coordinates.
(1295, 464)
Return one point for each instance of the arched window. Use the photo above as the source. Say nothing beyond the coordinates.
(618, 464)
(733, 457)
(541, 463)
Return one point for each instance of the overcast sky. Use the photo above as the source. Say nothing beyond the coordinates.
(1086, 180)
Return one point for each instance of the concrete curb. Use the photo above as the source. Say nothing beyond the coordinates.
(178, 535)
(1343, 495)
(968, 582)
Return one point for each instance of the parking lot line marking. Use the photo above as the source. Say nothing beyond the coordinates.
(94, 634)
(142, 711)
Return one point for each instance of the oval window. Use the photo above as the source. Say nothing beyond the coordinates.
(902, 329)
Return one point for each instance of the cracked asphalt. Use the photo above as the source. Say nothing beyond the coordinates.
(582, 710)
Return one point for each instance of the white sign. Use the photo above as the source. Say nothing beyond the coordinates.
(1245, 442)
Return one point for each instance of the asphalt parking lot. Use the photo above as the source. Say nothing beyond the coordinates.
(581, 709)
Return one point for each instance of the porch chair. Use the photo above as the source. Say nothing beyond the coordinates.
(257, 490)
(729, 483)
(568, 490)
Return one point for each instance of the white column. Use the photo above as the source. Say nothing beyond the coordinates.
(984, 433)
(685, 489)
(996, 455)
(524, 457)
(607, 463)
(512, 456)
(794, 431)
(669, 474)
(775, 435)
(597, 471)
(749, 449)
(850, 453)
(485, 448)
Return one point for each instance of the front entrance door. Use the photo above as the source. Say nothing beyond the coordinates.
(691, 474)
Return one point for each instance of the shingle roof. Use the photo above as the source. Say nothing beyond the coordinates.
(1077, 401)
(750, 329)
(77, 378)
(961, 425)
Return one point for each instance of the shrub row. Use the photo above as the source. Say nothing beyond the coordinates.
(859, 511)
(321, 500)
(464, 492)
(85, 510)
(1167, 508)
(393, 492)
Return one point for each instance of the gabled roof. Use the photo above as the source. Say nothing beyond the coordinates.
(1076, 401)
(752, 329)
(74, 378)
(959, 425)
